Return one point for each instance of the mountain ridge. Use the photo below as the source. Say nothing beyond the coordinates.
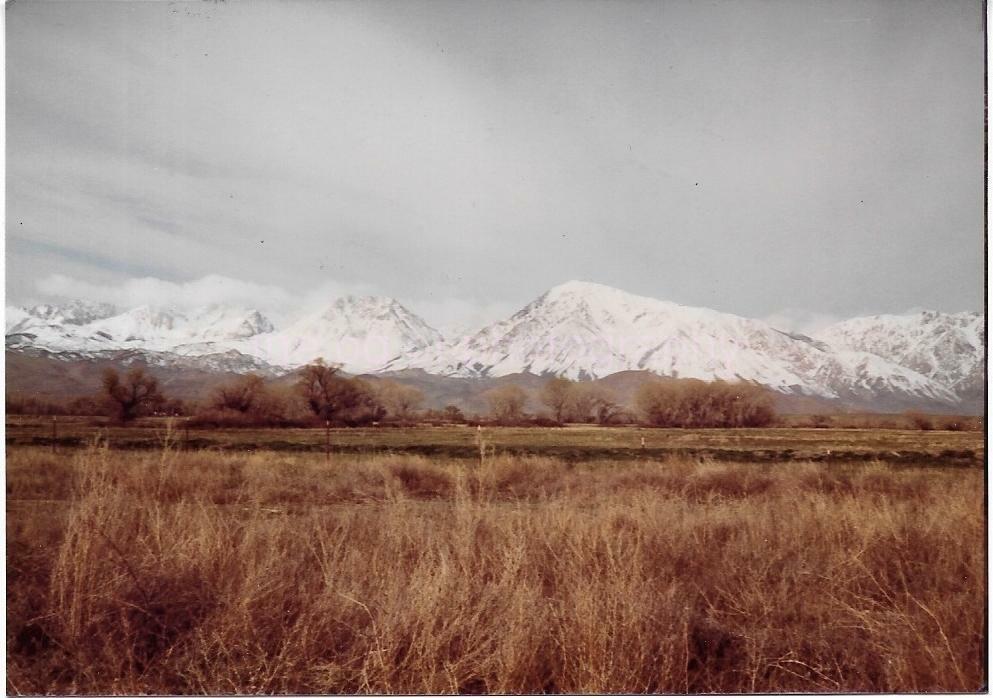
(579, 329)
(587, 330)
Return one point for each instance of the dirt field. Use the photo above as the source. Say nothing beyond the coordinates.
(172, 571)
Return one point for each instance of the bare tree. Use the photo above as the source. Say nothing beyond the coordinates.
(249, 399)
(366, 406)
(604, 403)
(453, 414)
(244, 394)
(557, 396)
(399, 400)
(130, 396)
(580, 404)
(658, 403)
(325, 392)
(507, 403)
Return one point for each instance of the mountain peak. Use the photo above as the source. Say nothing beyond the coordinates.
(353, 302)
(603, 299)
(589, 290)
(359, 332)
(581, 287)
(73, 311)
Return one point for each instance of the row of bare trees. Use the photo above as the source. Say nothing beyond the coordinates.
(322, 393)
(566, 400)
(661, 403)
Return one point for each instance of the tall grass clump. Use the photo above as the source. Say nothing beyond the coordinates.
(197, 572)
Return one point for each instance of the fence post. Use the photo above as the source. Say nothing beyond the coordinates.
(55, 432)
(327, 440)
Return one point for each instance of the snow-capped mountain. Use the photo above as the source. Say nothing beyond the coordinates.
(586, 330)
(74, 312)
(165, 328)
(359, 332)
(577, 329)
(229, 361)
(947, 347)
(67, 328)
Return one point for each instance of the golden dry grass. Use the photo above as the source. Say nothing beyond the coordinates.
(199, 572)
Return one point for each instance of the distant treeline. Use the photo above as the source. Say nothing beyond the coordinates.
(85, 406)
(322, 395)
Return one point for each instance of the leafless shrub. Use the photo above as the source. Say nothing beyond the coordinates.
(921, 421)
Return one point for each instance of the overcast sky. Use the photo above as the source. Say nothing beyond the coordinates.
(790, 160)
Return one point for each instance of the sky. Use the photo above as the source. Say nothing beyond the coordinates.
(788, 160)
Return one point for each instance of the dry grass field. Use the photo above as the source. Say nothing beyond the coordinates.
(168, 571)
(574, 443)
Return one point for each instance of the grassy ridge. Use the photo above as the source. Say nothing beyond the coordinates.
(202, 572)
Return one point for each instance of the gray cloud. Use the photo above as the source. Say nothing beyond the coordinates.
(751, 156)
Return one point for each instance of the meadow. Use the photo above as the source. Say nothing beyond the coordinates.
(179, 569)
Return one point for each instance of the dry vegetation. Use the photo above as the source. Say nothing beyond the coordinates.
(178, 572)
(319, 393)
(573, 443)
(694, 404)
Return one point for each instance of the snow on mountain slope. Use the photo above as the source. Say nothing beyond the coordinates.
(582, 330)
(162, 328)
(860, 377)
(229, 361)
(577, 329)
(56, 327)
(60, 318)
(948, 347)
(74, 312)
(361, 333)
(14, 316)
(70, 328)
